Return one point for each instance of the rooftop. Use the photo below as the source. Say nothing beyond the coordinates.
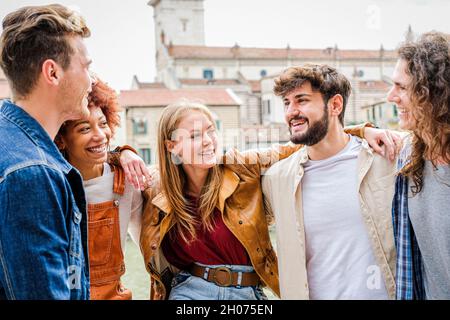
(164, 97)
(206, 52)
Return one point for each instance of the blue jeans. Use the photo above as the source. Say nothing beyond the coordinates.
(188, 287)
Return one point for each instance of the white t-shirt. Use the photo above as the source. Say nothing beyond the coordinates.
(340, 259)
(100, 190)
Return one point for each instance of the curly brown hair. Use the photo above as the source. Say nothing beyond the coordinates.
(327, 80)
(105, 97)
(428, 65)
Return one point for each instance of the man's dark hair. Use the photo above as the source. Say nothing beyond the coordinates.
(327, 80)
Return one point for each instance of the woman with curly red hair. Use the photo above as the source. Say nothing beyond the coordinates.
(421, 205)
(114, 206)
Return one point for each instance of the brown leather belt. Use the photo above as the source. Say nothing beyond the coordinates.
(224, 277)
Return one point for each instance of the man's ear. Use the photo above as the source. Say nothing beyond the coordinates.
(336, 105)
(51, 72)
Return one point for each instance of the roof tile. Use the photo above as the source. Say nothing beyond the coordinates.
(206, 52)
(164, 97)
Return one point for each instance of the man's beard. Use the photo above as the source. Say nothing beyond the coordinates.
(315, 133)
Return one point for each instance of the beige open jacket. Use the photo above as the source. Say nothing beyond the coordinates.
(282, 190)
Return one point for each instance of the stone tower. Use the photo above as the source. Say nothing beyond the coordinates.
(409, 35)
(178, 22)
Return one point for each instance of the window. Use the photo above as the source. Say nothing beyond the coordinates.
(358, 73)
(139, 126)
(394, 111)
(266, 107)
(218, 125)
(263, 73)
(145, 154)
(184, 24)
(208, 74)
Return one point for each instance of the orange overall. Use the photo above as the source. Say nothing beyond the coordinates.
(106, 259)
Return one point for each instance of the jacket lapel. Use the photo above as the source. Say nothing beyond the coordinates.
(229, 185)
(161, 202)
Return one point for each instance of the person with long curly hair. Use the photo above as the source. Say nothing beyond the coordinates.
(114, 205)
(421, 205)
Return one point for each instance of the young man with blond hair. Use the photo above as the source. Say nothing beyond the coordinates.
(43, 221)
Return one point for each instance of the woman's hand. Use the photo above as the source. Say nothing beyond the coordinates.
(385, 142)
(135, 170)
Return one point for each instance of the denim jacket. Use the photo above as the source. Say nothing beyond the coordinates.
(43, 219)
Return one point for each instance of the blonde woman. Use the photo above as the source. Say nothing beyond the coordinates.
(205, 231)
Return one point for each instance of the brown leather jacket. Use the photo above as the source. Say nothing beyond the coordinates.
(243, 211)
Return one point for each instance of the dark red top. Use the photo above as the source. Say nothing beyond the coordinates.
(219, 246)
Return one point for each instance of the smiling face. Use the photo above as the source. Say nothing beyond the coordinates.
(306, 114)
(399, 94)
(85, 141)
(195, 141)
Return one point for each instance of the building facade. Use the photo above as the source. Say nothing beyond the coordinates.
(184, 61)
(383, 114)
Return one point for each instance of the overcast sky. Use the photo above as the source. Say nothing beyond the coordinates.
(122, 41)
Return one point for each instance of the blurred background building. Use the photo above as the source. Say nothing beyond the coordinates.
(187, 68)
(236, 82)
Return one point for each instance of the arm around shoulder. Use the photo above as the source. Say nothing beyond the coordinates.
(259, 160)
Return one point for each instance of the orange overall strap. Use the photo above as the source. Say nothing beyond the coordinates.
(119, 180)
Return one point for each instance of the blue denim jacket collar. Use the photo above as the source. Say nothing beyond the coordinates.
(36, 132)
